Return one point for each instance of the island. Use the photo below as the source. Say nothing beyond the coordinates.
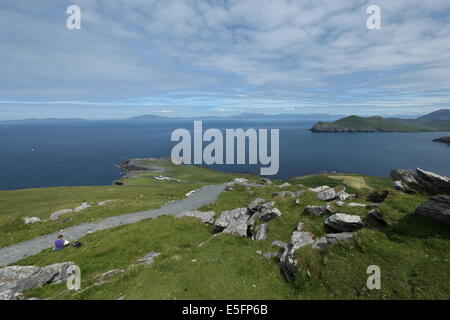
(443, 140)
(438, 121)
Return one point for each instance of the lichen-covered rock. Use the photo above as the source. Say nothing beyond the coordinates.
(226, 217)
(327, 194)
(344, 222)
(238, 226)
(16, 279)
(436, 208)
(420, 181)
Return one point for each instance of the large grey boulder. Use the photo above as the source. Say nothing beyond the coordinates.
(17, 279)
(319, 210)
(238, 226)
(344, 222)
(204, 216)
(436, 208)
(327, 194)
(226, 217)
(420, 181)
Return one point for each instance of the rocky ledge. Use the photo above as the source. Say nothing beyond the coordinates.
(420, 181)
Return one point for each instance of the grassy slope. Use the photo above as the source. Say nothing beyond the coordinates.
(141, 192)
(378, 123)
(412, 254)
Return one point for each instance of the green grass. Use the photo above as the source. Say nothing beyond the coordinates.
(140, 192)
(18, 204)
(413, 256)
(412, 252)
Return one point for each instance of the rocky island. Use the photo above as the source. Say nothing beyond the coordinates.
(443, 140)
(435, 121)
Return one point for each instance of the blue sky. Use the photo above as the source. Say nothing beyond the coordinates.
(194, 57)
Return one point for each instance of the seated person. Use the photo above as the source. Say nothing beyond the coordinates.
(60, 243)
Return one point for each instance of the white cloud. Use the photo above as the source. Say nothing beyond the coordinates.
(279, 52)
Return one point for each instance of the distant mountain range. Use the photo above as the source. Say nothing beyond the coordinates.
(436, 121)
(44, 120)
(246, 116)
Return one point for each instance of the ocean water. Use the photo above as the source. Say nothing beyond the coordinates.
(69, 153)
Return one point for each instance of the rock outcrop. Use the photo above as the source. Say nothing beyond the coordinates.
(17, 279)
(300, 239)
(344, 222)
(421, 181)
(436, 208)
(288, 261)
(245, 221)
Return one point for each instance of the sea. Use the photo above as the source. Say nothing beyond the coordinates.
(39, 154)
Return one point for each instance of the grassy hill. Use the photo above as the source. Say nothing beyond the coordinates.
(412, 253)
(379, 124)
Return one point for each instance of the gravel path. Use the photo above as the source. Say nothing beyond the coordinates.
(201, 197)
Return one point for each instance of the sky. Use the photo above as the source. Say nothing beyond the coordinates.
(198, 57)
